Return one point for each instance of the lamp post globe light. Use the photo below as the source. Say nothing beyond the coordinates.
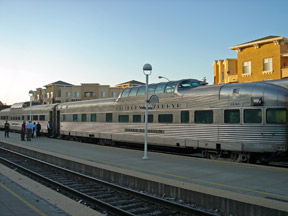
(147, 70)
(30, 94)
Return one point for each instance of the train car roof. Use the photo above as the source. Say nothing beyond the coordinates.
(84, 103)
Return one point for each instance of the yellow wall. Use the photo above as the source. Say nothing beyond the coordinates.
(256, 56)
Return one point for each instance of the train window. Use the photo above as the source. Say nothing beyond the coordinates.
(276, 116)
(42, 117)
(184, 116)
(252, 116)
(141, 91)
(123, 118)
(35, 117)
(108, 117)
(160, 88)
(204, 116)
(93, 117)
(83, 117)
(133, 91)
(170, 87)
(136, 118)
(75, 117)
(165, 118)
(232, 116)
(150, 118)
(64, 118)
(125, 92)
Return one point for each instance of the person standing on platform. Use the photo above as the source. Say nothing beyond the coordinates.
(7, 128)
(49, 128)
(29, 129)
(23, 130)
(34, 130)
(38, 129)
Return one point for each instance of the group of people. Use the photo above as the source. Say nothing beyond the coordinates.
(31, 130)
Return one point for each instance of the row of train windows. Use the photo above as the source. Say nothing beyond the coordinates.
(18, 118)
(273, 116)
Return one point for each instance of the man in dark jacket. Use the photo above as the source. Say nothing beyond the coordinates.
(6, 128)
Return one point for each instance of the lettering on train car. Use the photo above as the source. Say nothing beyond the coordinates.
(235, 104)
(142, 130)
(158, 106)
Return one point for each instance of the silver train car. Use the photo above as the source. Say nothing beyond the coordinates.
(245, 121)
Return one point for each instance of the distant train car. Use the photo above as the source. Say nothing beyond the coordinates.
(20, 112)
(244, 121)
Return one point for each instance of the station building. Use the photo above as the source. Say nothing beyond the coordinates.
(262, 59)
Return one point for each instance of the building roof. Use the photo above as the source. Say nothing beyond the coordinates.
(58, 83)
(131, 82)
(263, 40)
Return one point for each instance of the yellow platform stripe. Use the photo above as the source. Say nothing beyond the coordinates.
(23, 200)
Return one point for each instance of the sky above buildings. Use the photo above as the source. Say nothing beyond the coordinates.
(109, 41)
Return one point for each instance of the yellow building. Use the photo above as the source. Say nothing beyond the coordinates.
(258, 60)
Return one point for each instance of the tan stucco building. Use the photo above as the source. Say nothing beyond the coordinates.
(60, 92)
(258, 60)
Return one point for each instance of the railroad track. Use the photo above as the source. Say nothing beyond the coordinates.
(97, 194)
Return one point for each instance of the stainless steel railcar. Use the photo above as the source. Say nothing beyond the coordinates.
(245, 121)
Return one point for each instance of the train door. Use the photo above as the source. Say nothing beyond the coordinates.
(57, 123)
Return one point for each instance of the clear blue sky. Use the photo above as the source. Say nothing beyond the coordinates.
(109, 41)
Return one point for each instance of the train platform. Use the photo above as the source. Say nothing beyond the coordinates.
(236, 189)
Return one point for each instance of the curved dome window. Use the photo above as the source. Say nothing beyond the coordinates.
(160, 88)
(125, 92)
(170, 87)
(141, 91)
(133, 91)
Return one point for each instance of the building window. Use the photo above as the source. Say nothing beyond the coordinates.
(276, 116)
(246, 68)
(222, 75)
(232, 116)
(42, 117)
(204, 116)
(67, 94)
(35, 117)
(89, 94)
(76, 94)
(103, 94)
(252, 116)
(93, 117)
(113, 94)
(267, 65)
(64, 117)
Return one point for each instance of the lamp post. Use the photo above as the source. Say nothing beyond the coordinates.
(147, 70)
(161, 77)
(30, 94)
